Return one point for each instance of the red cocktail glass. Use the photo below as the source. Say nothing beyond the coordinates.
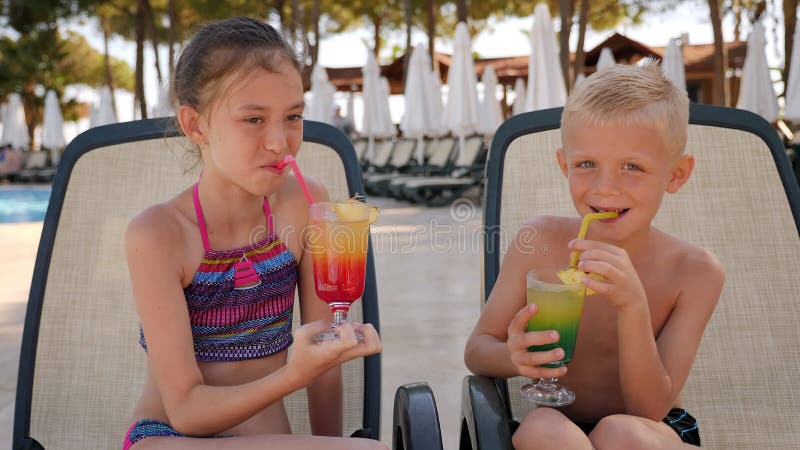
(338, 239)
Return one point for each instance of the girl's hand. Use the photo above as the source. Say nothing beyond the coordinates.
(527, 363)
(621, 286)
(309, 359)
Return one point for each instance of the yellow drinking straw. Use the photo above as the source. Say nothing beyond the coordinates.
(572, 275)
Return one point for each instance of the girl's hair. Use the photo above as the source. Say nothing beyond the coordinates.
(225, 47)
(630, 96)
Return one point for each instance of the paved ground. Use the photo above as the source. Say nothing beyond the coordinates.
(428, 267)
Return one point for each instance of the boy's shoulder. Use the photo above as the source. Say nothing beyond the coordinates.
(687, 255)
(692, 264)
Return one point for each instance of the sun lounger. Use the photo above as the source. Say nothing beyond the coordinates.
(382, 150)
(81, 369)
(438, 153)
(743, 204)
(440, 190)
(11, 164)
(35, 169)
(401, 160)
(360, 147)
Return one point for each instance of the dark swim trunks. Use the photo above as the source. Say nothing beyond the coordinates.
(678, 419)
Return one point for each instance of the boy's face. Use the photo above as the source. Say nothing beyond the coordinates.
(621, 168)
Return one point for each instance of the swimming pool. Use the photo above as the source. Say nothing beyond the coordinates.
(23, 204)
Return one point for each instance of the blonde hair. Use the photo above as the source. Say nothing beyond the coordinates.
(630, 96)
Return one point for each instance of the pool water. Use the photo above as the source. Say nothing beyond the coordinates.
(23, 204)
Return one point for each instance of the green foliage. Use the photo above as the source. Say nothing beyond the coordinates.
(83, 64)
(27, 15)
(41, 59)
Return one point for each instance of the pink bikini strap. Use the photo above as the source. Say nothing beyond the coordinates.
(268, 213)
(201, 222)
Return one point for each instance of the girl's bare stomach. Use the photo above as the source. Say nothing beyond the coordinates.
(270, 420)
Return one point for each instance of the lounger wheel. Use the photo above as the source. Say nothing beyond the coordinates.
(485, 422)
(416, 419)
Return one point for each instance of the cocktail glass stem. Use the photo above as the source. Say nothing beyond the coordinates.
(546, 392)
(340, 313)
(547, 385)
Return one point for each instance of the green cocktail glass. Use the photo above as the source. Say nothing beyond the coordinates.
(560, 306)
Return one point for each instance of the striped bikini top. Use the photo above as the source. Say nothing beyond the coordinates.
(241, 300)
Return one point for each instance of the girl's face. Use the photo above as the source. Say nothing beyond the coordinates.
(257, 122)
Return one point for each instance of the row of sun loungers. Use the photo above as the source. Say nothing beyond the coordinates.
(26, 167)
(445, 174)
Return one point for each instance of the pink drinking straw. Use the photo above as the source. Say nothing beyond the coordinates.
(289, 159)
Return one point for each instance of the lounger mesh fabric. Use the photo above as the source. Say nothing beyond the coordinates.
(743, 385)
(89, 369)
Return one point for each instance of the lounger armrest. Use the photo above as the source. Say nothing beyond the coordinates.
(416, 419)
(484, 416)
(28, 444)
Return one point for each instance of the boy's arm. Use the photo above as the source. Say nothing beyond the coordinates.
(652, 372)
(702, 278)
(501, 325)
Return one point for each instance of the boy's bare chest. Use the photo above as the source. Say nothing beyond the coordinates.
(599, 318)
(596, 355)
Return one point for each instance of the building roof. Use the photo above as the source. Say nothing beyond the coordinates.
(698, 60)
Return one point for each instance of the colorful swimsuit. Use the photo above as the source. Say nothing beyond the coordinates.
(240, 303)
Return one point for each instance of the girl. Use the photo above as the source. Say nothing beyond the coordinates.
(217, 346)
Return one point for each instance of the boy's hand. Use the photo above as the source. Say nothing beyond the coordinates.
(527, 363)
(621, 286)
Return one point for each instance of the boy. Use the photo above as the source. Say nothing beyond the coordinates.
(623, 133)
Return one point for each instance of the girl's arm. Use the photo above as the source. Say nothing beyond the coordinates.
(153, 249)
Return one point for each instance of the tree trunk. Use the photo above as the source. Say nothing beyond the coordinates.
(737, 19)
(461, 9)
(281, 16)
(315, 13)
(580, 55)
(431, 31)
(171, 33)
(107, 59)
(567, 9)
(377, 22)
(138, 98)
(151, 28)
(789, 24)
(296, 21)
(407, 12)
(721, 91)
